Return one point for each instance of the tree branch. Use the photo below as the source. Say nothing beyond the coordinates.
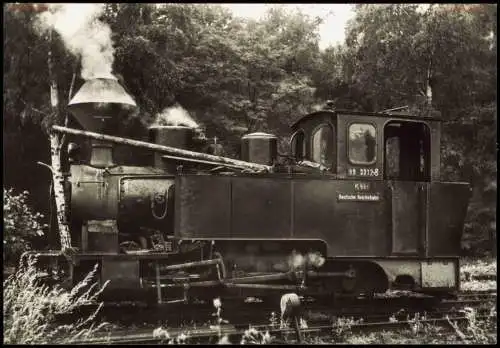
(72, 85)
(33, 108)
(459, 333)
(46, 165)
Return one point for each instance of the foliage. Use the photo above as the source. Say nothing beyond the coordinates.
(21, 224)
(468, 155)
(184, 338)
(478, 285)
(26, 102)
(163, 335)
(446, 47)
(399, 54)
(254, 336)
(342, 328)
(475, 331)
(478, 268)
(30, 309)
(478, 274)
(480, 331)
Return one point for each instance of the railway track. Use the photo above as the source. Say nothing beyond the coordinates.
(235, 332)
(478, 294)
(176, 314)
(379, 316)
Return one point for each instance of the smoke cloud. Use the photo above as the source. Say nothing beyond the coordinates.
(175, 116)
(83, 34)
(317, 107)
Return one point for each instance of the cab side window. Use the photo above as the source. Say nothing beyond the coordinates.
(298, 145)
(362, 143)
(407, 151)
(322, 142)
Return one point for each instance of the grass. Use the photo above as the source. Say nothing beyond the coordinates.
(478, 268)
(474, 331)
(30, 309)
(478, 274)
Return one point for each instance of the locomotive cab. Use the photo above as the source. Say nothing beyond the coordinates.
(390, 165)
(368, 146)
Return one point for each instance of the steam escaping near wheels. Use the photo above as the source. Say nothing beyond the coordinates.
(297, 261)
(316, 259)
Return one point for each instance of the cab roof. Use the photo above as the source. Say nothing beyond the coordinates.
(368, 114)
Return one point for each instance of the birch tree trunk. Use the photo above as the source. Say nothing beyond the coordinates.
(428, 92)
(55, 153)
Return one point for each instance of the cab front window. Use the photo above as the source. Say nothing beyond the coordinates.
(298, 146)
(362, 143)
(323, 146)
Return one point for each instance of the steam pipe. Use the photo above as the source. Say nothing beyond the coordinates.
(164, 149)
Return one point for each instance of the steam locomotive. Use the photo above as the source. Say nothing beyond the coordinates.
(357, 208)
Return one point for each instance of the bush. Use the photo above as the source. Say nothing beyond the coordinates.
(30, 309)
(21, 225)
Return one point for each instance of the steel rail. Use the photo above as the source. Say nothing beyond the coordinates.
(230, 330)
(236, 312)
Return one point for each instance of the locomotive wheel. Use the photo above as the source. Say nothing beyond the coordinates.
(349, 285)
(271, 299)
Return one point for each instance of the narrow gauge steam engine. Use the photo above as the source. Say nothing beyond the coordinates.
(359, 209)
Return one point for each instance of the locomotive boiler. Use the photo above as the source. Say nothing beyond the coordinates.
(356, 208)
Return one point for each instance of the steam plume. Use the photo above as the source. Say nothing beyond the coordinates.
(317, 107)
(297, 260)
(175, 116)
(83, 34)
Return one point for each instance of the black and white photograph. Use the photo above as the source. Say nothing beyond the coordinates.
(249, 173)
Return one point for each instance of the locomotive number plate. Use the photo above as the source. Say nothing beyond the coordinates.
(374, 172)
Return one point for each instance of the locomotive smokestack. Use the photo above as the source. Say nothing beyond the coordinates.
(175, 127)
(99, 105)
(180, 137)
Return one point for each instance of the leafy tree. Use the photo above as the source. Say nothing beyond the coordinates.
(385, 66)
(447, 52)
(27, 113)
(21, 225)
(232, 75)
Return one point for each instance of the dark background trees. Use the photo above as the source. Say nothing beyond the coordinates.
(236, 75)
